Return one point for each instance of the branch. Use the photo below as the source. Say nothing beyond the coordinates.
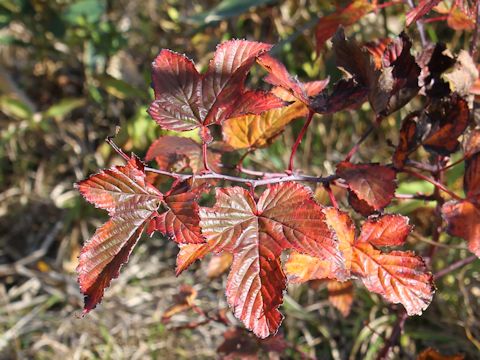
(474, 41)
(454, 266)
(355, 148)
(434, 182)
(252, 182)
(393, 339)
(299, 139)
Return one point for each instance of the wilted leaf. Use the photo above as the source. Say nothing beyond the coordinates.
(257, 131)
(407, 142)
(447, 121)
(169, 150)
(377, 48)
(434, 60)
(284, 217)
(463, 75)
(131, 202)
(185, 99)
(340, 295)
(345, 95)
(372, 183)
(462, 17)
(184, 301)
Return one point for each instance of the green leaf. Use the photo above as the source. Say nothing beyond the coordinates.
(118, 88)
(227, 9)
(89, 10)
(15, 108)
(64, 107)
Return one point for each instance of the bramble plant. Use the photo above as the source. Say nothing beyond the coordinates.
(257, 215)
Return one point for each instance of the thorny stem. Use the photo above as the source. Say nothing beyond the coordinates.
(420, 27)
(434, 182)
(299, 139)
(454, 266)
(355, 148)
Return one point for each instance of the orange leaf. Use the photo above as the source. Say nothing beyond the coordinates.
(183, 301)
(340, 295)
(257, 131)
(387, 230)
(219, 264)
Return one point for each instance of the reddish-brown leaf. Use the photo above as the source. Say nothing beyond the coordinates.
(407, 142)
(463, 219)
(184, 301)
(131, 202)
(447, 122)
(399, 276)
(377, 48)
(185, 99)
(120, 189)
(360, 206)
(284, 217)
(328, 25)
(471, 181)
(372, 183)
(423, 7)
(181, 220)
(386, 230)
(169, 150)
(345, 95)
(434, 60)
(340, 295)
(432, 354)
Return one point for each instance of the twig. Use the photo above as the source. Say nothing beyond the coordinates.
(331, 195)
(432, 181)
(204, 155)
(355, 148)
(299, 139)
(454, 266)
(420, 27)
(114, 146)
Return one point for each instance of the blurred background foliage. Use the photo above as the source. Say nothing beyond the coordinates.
(73, 72)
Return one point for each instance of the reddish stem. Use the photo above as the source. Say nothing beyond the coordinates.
(119, 151)
(454, 266)
(204, 155)
(387, 4)
(435, 19)
(393, 339)
(474, 42)
(299, 139)
(454, 163)
(355, 148)
(432, 181)
(331, 195)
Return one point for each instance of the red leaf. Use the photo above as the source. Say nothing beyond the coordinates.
(423, 7)
(375, 184)
(471, 182)
(328, 25)
(131, 201)
(185, 99)
(169, 150)
(120, 189)
(399, 276)
(278, 75)
(407, 141)
(285, 216)
(447, 122)
(432, 354)
(181, 220)
(360, 206)
(463, 220)
(386, 230)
